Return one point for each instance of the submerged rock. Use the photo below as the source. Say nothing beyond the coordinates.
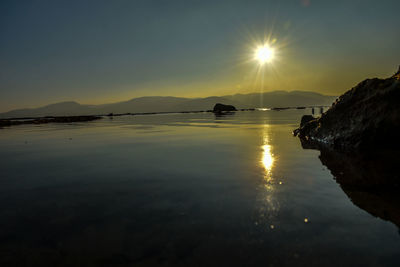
(218, 108)
(366, 117)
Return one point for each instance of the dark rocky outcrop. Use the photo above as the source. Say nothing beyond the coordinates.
(367, 117)
(358, 141)
(218, 108)
(305, 119)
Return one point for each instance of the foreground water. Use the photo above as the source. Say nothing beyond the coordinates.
(179, 189)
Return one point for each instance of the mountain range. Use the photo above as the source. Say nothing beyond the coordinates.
(176, 104)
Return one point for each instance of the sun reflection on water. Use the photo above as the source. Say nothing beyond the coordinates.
(268, 206)
(267, 158)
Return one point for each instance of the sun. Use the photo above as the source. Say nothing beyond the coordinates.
(264, 54)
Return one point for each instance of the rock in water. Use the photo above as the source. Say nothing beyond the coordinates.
(305, 119)
(397, 74)
(221, 107)
(367, 117)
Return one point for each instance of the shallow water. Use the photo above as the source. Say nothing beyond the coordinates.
(179, 189)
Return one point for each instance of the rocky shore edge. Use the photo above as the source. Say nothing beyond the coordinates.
(365, 118)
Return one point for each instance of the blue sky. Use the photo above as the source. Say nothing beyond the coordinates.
(106, 51)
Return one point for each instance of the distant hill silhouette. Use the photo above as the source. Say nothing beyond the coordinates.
(172, 104)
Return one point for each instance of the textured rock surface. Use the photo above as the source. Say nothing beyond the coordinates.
(305, 119)
(366, 117)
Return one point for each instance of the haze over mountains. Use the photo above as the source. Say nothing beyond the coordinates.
(176, 104)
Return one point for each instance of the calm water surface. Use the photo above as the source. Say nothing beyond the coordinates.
(179, 189)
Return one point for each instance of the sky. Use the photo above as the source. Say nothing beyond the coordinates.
(97, 52)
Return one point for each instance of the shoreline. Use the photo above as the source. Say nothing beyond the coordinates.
(84, 118)
(44, 120)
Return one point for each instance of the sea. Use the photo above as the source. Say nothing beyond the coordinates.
(181, 189)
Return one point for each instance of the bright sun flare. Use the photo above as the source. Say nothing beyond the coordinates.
(264, 54)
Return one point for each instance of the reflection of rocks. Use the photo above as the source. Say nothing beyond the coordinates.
(364, 118)
(372, 172)
(372, 183)
(383, 205)
(223, 114)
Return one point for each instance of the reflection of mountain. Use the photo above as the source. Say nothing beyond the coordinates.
(171, 104)
(371, 182)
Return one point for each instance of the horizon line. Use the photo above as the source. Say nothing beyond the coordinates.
(138, 97)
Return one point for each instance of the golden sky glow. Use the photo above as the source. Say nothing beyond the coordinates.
(212, 48)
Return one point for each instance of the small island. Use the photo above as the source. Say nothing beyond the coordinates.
(219, 108)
